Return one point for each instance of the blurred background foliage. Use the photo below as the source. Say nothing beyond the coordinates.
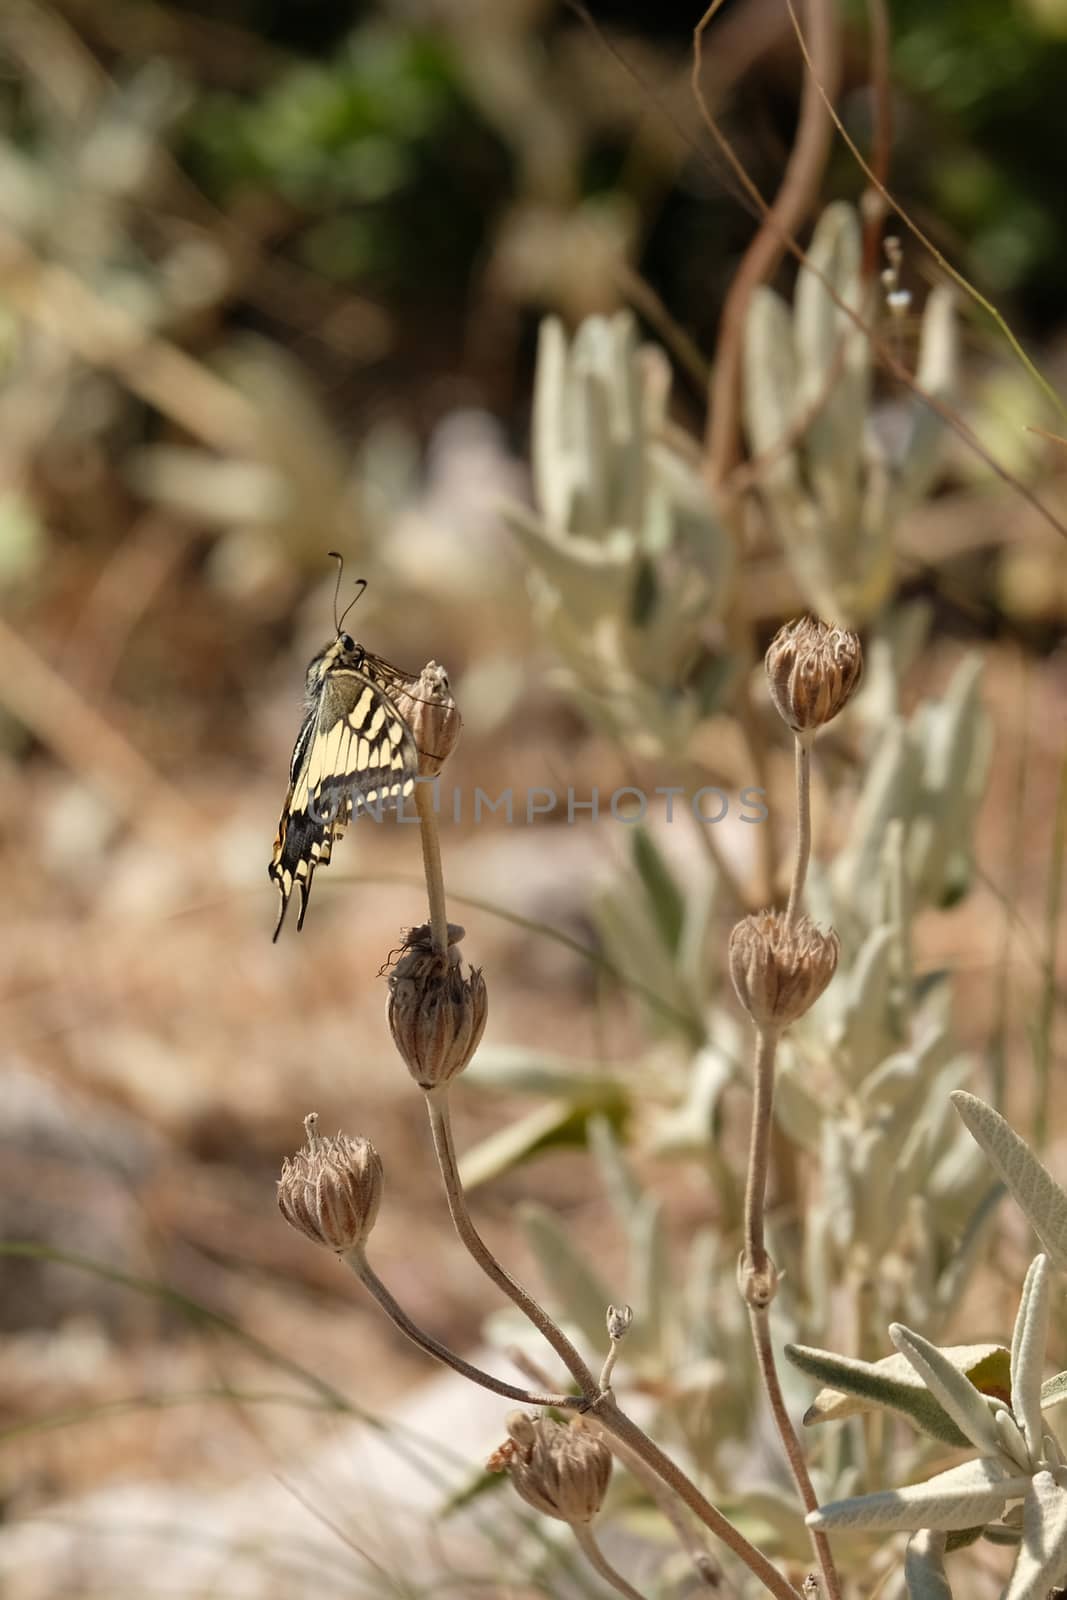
(272, 281)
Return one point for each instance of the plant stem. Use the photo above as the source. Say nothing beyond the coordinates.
(756, 1258)
(667, 1502)
(357, 1260)
(601, 1404)
(759, 1321)
(800, 865)
(624, 1428)
(441, 1128)
(759, 1285)
(599, 1562)
(431, 864)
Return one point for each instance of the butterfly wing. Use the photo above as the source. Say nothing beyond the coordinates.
(354, 752)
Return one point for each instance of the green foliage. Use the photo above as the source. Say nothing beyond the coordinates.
(379, 148)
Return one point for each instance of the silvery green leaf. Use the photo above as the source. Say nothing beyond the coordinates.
(968, 1409)
(691, 1127)
(1041, 1564)
(864, 1024)
(964, 1496)
(770, 402)
(859, 1386)
(1028, 1353)
(593, 576)
(937, 374)
(553, 473)
(899, 914)
(952, 736)
(1037, 1194)
(591, 401)
(1012, 1444)
(965, 1257)
(889, 791)
(838, 1187)
(924, 1567)
(833, 367)
(1054, 1391)
(576, 1289)
(892, 1083)
(514, 1069)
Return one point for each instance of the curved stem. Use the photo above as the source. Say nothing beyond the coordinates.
(759, 1283)
(705, 1566)
(798, 191)
(803, 855)
(431, 864)
(624, 1428)
(441, 1129)
(357, 1260)
(599, 1562)
(756, 1258)
(761, 1338)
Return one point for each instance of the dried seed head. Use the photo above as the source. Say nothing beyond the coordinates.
(812, 670)
(332, 1188)
(429, 710)
(779, 971)
(620, 1321)
(436, 1015)
(560, 1470)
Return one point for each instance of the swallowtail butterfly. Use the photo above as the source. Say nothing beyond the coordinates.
(354, 752)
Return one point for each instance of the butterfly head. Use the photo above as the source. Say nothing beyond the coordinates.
(340, 652)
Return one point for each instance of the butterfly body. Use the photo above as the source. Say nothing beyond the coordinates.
(354, 752)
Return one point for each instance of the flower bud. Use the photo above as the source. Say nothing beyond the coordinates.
(560, 1470)
(436, 1015)
(428, 708)
(331, 1189)
(812, 670)
(780, 970)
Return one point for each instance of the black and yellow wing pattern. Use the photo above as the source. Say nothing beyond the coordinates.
(354, 752)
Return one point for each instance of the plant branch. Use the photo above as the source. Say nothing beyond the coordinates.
(758, 1282)
(759, 1321)
(624, 1428)
(441, 1128)
(357, 1260)
(800, 865)
(795, 197)
(599, 1562)
(431, 864)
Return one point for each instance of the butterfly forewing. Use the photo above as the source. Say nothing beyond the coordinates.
(354, 752)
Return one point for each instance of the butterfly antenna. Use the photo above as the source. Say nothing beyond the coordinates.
(361, 584)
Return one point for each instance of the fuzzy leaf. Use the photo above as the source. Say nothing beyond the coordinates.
(1054, 1391)
(859, 1386)
(964, 1496)
(1028, 1354)
(967, 1408)
(924, 1567)
(1041, 1564)
(1037, 1193)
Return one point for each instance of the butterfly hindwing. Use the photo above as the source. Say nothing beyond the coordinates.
(354, 752)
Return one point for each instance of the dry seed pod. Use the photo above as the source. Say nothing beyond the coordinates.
(560, 1470)
(780, 970)
(436, 1015)
(429, 709)
(331, 1189)
(812, 670)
